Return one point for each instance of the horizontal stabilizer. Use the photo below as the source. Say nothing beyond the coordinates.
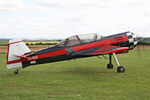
(21, 56)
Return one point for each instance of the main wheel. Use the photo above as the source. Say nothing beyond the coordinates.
(120, 69)
(16, 71)
(110, 66)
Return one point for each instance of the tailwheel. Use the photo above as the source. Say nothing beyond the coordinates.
(16, 71)
(110, 66)
(120, 69)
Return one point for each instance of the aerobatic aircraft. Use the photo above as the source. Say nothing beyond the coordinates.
(78, 46)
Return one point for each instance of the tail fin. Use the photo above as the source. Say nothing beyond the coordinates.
(15, 47)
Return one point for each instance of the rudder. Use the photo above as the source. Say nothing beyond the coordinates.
(16, 47)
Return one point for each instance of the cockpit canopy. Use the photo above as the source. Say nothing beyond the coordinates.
(80, 39)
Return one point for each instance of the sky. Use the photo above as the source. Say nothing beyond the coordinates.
(58, 19)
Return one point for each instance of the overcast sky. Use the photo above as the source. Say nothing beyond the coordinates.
(55, 19)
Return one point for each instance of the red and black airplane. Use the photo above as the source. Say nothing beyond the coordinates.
(78, 46)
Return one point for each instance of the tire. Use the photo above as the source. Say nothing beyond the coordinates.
(16, 71)
(120, 69)
(110, 66)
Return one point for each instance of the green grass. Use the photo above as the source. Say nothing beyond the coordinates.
(82, 79)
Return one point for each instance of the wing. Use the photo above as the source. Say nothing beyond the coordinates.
(103, 50)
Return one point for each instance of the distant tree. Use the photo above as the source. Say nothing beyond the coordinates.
(27, 44)
(143, 43)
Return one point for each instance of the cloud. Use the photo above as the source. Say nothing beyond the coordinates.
(87, 3)
(33, 8)
(74, 4)
(10, 5)
(62, 18)
(10, 2)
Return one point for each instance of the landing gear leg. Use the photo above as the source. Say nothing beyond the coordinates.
(120, 69)
(110, 65)
(16, 71)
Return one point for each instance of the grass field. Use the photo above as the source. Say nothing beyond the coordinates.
(82, 79)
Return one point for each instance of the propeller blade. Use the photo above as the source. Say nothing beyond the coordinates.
(139, 44)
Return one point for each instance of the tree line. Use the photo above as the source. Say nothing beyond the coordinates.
(41, 43)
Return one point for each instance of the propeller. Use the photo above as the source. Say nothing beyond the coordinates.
(139, 42)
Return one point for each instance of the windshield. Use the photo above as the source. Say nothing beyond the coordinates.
(80, 39)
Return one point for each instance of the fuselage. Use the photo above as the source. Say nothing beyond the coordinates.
(80, 49)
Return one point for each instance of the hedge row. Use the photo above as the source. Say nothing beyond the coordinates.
(40, 43)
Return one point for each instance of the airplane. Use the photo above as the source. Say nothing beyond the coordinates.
(77, 46)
